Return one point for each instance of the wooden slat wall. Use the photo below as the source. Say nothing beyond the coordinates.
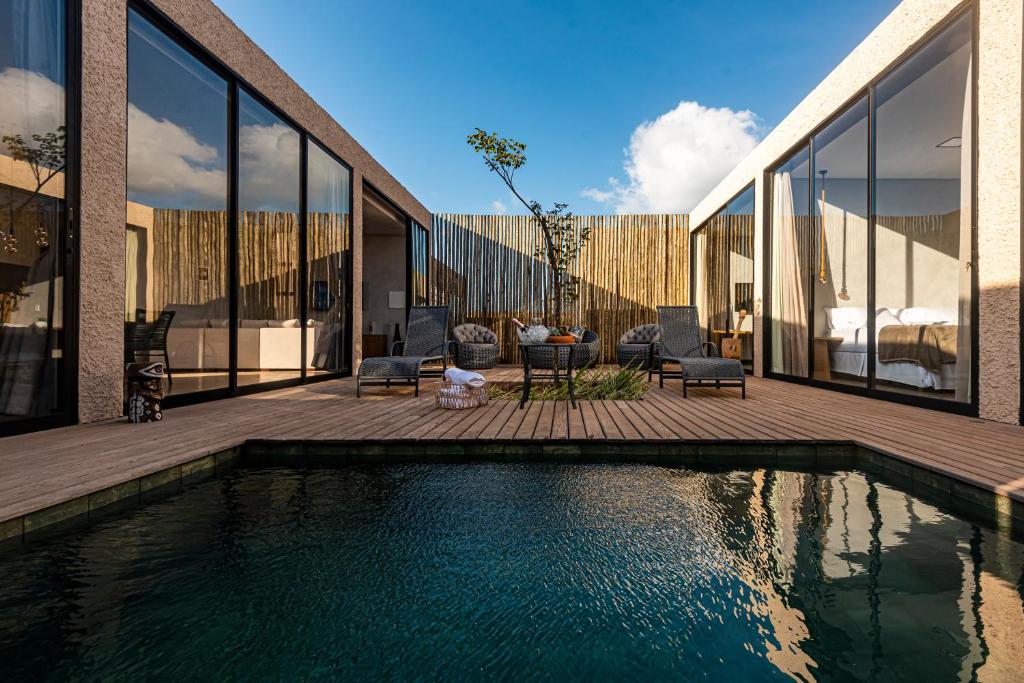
(485, 268)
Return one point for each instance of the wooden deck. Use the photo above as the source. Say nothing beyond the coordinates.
(45, 469)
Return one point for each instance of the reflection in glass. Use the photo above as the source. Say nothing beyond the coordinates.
(32, 164)
(176, 239)
(329, 232)
(724, 281)
(923, 224)
(790, 265)
(840, 201)
(269, 329)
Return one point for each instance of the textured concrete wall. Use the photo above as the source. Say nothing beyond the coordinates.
(999, 173)
(102, 209)
(1000, 25)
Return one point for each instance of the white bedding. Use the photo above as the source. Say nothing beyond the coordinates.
(851, 356)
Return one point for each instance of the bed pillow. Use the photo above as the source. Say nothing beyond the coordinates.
(925, 315)
(846, 317)
(885, 318)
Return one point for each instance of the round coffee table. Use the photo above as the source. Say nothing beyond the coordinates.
(559, 359)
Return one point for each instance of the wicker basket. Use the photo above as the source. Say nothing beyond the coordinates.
(459, 396)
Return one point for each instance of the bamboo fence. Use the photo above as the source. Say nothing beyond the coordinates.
(488, 270)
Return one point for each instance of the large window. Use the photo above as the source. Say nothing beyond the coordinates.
(840, 249)
(328, 221)
(33, 161)
(909, 330)
(228, 293)
(923, 219)
(724, 273)
(790, 265)
(269, 324)
(176, 242)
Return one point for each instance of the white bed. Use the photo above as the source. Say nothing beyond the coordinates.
(851, 356)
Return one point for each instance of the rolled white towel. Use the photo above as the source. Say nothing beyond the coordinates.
(457, 376)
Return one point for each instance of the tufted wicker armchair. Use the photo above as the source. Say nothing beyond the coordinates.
(635, 346)
(476, 347)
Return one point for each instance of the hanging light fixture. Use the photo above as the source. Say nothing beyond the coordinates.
(822, 271)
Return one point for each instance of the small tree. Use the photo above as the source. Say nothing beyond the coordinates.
(563, 242)
(46, 160)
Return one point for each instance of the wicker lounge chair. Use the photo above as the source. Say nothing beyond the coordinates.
(426, 344)
(636, 346)
(476, 347)
(681, 344)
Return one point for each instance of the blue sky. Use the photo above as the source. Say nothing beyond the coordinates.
(571, 79)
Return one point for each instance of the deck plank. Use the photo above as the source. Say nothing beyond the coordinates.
(46, 468)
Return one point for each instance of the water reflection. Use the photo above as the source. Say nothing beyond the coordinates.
(523, 571)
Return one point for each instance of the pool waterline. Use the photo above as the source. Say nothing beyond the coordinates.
(978, 504)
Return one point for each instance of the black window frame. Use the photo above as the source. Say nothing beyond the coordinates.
(67, 413)
(236, 83)
(692, 281)
(807, 142)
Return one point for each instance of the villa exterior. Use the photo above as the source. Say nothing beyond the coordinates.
(158, 166)
(875, 234)
(166, 187)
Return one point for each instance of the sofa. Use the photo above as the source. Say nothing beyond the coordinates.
(197, 343)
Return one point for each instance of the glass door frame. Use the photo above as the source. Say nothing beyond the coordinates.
(163, 23)
(807, 142)
(693, 264)
(67, 239)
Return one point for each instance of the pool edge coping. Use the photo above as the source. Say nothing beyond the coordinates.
(998, 509)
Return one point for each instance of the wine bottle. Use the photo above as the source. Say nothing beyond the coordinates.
(518, 324)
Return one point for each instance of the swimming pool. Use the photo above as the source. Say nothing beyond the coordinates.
(518, 571)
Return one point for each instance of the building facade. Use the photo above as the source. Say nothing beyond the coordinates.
(874, 236)
(167, 191)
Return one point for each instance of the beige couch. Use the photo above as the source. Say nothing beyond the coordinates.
(204, 344)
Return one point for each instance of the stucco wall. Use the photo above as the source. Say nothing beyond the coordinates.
(1001, 23)
(102, 209)
(998, 176)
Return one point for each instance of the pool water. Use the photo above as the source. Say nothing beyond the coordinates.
(547, 572)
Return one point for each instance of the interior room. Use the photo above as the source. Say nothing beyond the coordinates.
(385, 273)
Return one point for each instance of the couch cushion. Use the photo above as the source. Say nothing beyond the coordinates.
(470, 333)
(641, 334)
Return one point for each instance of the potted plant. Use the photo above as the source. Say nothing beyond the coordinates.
(560, 335)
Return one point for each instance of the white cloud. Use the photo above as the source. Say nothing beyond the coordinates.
(600, 196)
(268, 161)
(498, 207)
(165, 160)
(673, 161)
(30, 103)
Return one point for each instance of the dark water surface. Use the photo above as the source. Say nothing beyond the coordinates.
(520, 572)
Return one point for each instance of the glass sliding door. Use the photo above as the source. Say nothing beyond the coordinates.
(269, 346)
(419, 262)
(328, 252)
(176, 241)
(740, 225)
(33, 161)
(923, 237)
(789, 289)
(906, 217)
(839, 346)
